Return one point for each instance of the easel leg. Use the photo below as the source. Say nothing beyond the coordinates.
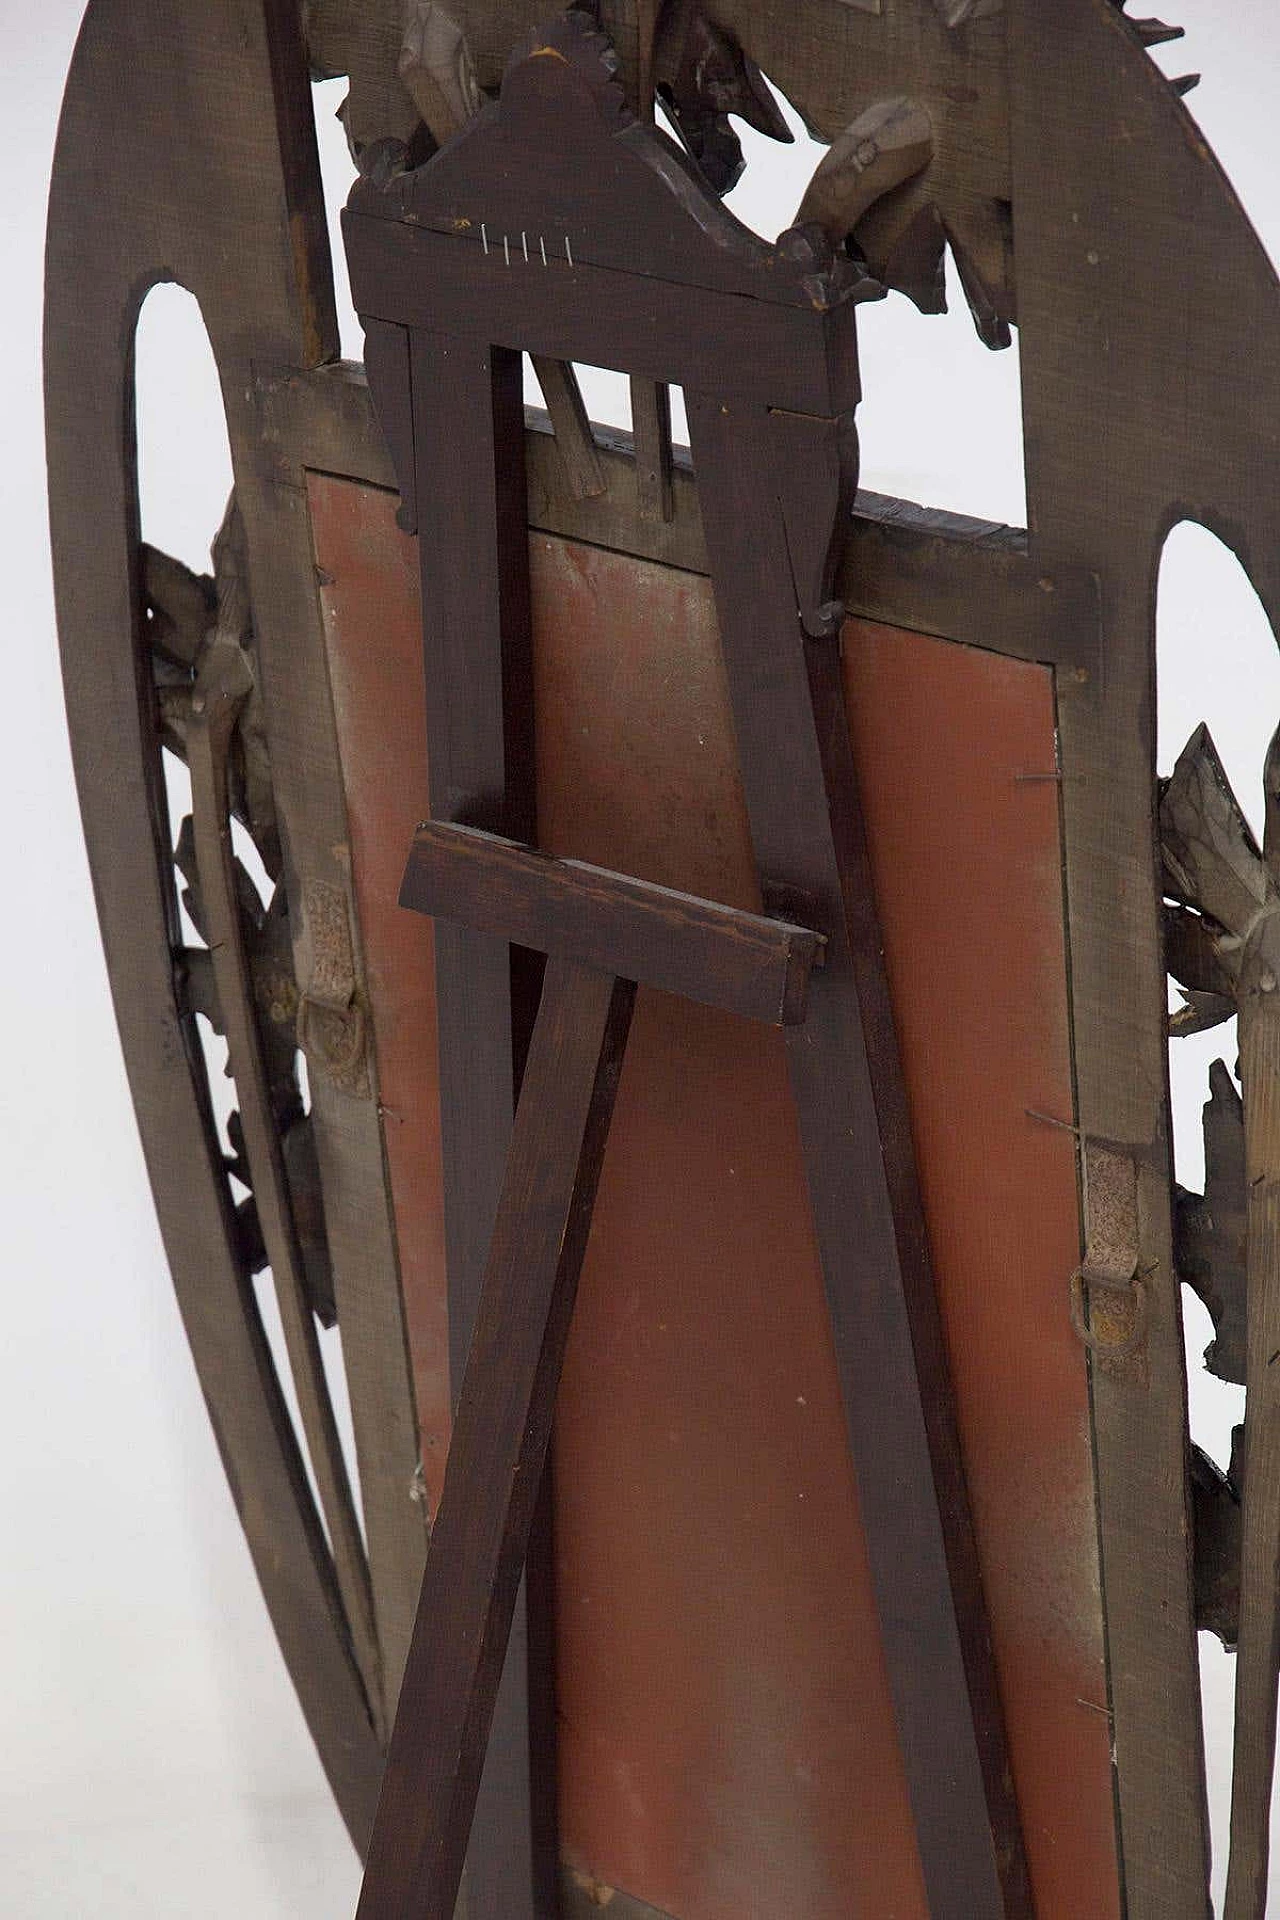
(500, 1441)
(771, 489)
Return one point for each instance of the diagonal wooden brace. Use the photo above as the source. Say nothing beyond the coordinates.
(602, 933)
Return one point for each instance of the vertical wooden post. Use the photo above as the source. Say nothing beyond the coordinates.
(500, 1439)
(468, 438)
(770, 488)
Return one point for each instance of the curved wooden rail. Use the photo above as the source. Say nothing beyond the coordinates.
(186, 152)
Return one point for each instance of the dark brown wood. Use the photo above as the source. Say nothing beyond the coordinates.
(1134, 283)
(1214, 866)
(781, 484)
(500, 1438)
(651, 433)
(1119, 442)
(596, 311)
(299, 174)
(931, 571)
(828, 64)
(719, 955)
(575, 446)
(468, 435)
(149, 83)
(1210, 1229)
(222, 686)
(771, 491)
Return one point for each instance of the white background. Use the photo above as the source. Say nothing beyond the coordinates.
(152, 1758)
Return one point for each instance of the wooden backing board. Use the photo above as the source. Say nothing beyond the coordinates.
(653, 1499)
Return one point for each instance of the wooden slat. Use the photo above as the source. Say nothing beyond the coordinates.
(223, 685)
(311, 806)
(566, 410)
(716, 954)
(593, 314)
(1258, 1651)
(1149, 395)
(807, 831)
(651, 435)
(500, 1438)
(468, 436)
(967, 580)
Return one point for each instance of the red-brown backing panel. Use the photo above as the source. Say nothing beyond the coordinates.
(727, 1744)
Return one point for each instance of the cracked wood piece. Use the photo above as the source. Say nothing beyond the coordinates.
(703, 77)
(499, 1445)
(673, 941)
(1216, 1506)
(882, 149)
(221, 690)
(771, 487)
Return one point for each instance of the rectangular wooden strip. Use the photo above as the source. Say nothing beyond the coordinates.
(651, 435)
(500, 1439)
(652, 328)
(468, 437)
(1258, 1652)
(221, 692)
(674, 941)
(571, 429)
(807, 832)
(908, 566)
(1116, 446)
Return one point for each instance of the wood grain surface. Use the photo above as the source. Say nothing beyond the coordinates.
(613, 923)
(500, 1440)
(682, 1445)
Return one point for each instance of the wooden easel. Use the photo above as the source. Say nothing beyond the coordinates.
(556, 224)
